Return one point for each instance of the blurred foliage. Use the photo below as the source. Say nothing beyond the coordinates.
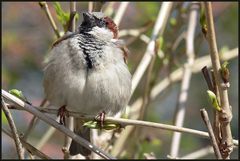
(63, 16)
(147, 146)
(4, 119)
(150, 10)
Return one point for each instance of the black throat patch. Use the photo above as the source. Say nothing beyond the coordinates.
(87, 58)
(92, 49)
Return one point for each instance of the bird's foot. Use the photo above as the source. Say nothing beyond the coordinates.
(62, 112)
(101, 117)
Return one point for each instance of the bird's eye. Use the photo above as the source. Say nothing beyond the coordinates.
(101, 23)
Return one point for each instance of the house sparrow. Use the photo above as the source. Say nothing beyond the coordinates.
(86, 72)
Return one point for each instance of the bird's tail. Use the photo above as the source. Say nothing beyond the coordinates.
(84, 132)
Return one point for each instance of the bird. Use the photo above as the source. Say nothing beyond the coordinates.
(86, 72)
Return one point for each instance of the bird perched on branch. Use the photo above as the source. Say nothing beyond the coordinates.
(86, 72)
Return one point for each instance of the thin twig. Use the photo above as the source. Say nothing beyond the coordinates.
(47, 135)
(149, 155)
(212, 86)
(28, 146)
(157, 30)
(207, 78)
(44, 6)
(187, 73)
(97, 6)
(216, 124)
(33, 121)
(31, 126)
(146, 97)
(109, 9)
(72, 20)
(206, 120)
(33, 110)
(124, 122)
(123, 6)
(225, 117)
(199, 153)
(181, 37)
(135, 33)
(19, 147)
(147, 88)
(90, 6)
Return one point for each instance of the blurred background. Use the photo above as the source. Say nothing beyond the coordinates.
(27, 36)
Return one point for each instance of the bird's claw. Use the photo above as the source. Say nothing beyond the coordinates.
(101, 117)
(62, 112)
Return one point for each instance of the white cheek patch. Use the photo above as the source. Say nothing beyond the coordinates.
(102, 33)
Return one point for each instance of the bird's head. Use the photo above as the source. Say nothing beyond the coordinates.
(98, 25)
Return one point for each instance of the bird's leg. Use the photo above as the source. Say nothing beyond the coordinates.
(100, 117)
(62, 112)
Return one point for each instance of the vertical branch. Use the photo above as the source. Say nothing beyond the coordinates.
(109, 9)
(146, 97)
(181, 107)
(97, 6)
(90, 6)
(123, 6)
(216, 125)
(19, 147)
(225, 116)
(212, 86)
(206, 120)
(73, 12)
